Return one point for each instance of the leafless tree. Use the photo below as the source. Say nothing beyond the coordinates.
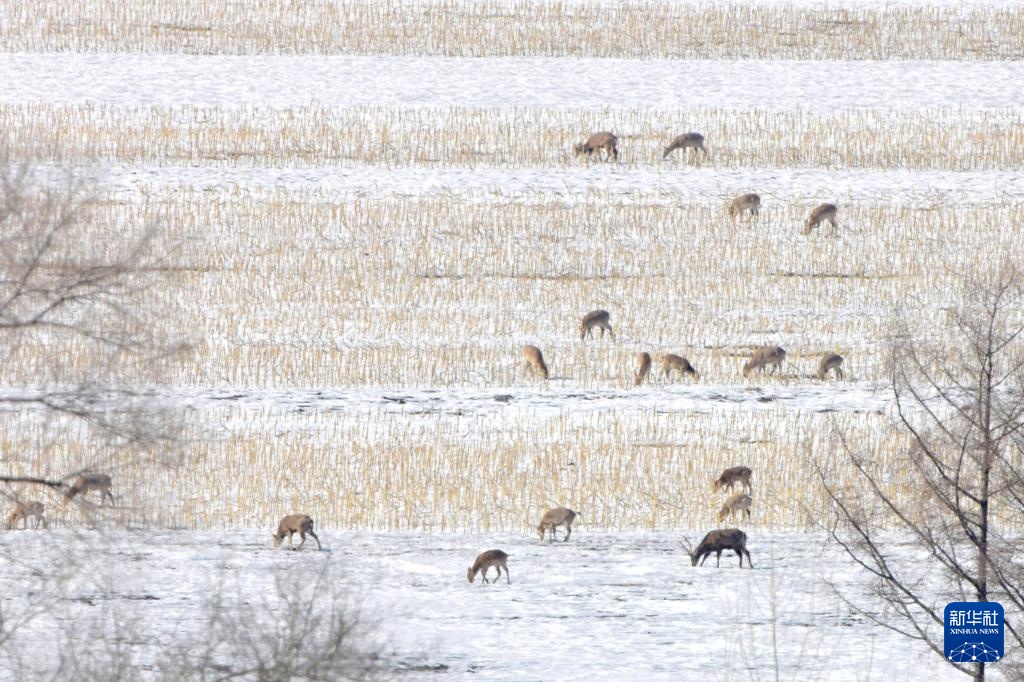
(958, 503)
(74, 322)
(76, 340)
(304, 628)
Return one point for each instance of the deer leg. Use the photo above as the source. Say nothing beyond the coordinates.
(718, 559)
(740, 556)
(704, 558)
(568, 532)
(749, 562)
(317, 540)
(302, 534)
(290, 540)
(508, 580)
(484, 574)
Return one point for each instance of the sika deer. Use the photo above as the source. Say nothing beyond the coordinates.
(830, 361)
(644, 368)
(670, 361)
(731, 476)
(737, 504)
(761, 357)
(694, 141)
(718, 541)
(22, 512)
(535, 361)
(86, 482)
(295, 523)
(596, 318)
(492, 557)
(597, 142)
(559, 516)
(745, 202)
(819, 215)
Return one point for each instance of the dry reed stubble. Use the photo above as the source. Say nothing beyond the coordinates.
(518, 28)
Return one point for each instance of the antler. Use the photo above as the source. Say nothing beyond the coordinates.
(687, 546)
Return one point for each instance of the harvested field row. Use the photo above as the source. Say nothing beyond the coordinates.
(622, 468)
(517, 28)
(282, 289)
(396, 137)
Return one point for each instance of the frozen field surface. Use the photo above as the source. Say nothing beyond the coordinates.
(608, 606)
(146, 79)
(674, 183)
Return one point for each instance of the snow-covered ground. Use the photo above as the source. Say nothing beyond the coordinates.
(649, 183)
(606, 606)
(145, 79)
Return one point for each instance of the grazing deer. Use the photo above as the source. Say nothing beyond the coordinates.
(745, 202)
(492, 557)
(597, 142)
(731, 476)
(295, 523)
(670, 361)
(559, 516)
(22, 511)
(764, 356)
(694, 141)
(830, 361)
(596, 318)
(644, 368)
(737, 504)
(819, 215)
(86, 482)
(718, 541)
(535, 361)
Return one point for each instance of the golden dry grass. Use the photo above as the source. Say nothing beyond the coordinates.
(508, 137)
(515, 27)
(283, 289)
(391, 471)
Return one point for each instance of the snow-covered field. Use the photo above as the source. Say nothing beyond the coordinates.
(607, 606)
(350, 358)
(605, 84)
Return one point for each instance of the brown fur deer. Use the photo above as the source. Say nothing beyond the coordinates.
(670, 361)
(750, 203)
(737, 504)
(764, 356)
(820, 214)
(596, 143)
(535, 361)
(732, 476)
(559, 516)
(596, 318)
(86, 482)
(694, 141)
(830, 362)
(718, 541)
(643, 368)
(492, 557)
(22, 511)
(295, 523)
